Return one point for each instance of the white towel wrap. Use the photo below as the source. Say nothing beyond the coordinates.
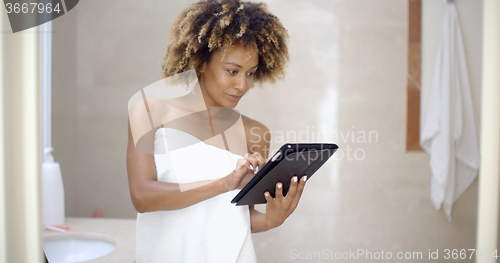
(210, 231)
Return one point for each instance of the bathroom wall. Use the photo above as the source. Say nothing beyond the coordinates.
(346, 84)
(354, 56)
(64, 107)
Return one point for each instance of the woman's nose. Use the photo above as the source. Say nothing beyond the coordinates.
(241, 83)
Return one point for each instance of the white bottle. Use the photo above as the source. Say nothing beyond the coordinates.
(52, 190)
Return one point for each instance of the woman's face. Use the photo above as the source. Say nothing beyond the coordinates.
(224, 81)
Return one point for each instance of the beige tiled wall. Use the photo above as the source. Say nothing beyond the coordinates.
(347, 77)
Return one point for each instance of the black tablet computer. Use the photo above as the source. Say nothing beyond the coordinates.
(292, 159)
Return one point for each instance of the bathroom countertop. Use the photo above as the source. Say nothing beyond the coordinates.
(122, 231)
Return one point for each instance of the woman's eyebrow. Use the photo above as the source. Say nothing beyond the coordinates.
(239, 66)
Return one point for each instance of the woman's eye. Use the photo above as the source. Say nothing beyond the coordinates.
(231, 71)
(251, 73)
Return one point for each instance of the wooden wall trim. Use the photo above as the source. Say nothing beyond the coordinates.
(414, 75)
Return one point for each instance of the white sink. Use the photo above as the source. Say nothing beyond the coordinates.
(77, 247)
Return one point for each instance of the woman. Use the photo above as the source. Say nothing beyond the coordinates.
(229, 44)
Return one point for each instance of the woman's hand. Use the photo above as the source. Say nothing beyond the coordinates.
(280, 208)
(245, 170)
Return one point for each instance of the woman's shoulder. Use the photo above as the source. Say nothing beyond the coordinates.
(147, 110)
(142, 107)
(254, 126)
(257, 135)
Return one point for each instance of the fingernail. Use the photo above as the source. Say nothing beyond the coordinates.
(304, 178)
(266, 194)
(279, 185)
(251, 167)
(295, 179)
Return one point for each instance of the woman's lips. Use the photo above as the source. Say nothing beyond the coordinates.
(233, 97)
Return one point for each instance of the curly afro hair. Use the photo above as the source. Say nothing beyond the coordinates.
(207, 26)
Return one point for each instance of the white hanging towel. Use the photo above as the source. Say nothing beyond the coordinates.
(449, 133)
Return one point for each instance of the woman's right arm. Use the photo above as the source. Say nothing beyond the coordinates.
(148, 194)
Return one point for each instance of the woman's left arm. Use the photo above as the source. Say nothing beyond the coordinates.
(280, 207)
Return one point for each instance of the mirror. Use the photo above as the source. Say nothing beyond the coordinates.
(346, 83)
